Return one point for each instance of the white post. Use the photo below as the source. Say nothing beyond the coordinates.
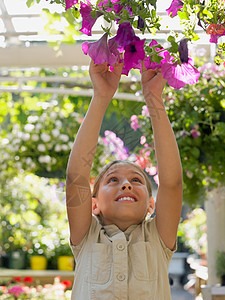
(215, 210)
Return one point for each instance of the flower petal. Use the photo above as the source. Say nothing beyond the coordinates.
(174, 7)
(70, 3)
(99, 51)
(87, 20)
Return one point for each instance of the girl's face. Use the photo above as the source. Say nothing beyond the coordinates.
(123, 197)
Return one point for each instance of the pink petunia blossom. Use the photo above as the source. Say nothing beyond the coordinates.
(125, 34)
(214, 38)
(178, 75)
(99, 51)
(134, 122)
(70, 3)
(87, 20)
(174, 7)
(134, 53)
(113, 47)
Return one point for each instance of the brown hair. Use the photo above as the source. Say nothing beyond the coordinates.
(106, 168)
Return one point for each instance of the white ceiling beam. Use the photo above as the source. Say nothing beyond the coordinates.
(66, 91)
(43, 56)
(59, 79)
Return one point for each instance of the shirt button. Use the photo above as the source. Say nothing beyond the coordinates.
(120, 277)
(120, 247)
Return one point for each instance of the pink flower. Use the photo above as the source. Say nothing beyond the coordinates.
(113, 47)
(134, 53)
(214, 38)
(145, 111)
(142, 140)
(70, 3)
(99, 51)
(141, 161)
(152, 170)
(115, 145)
(134, 122)
(178, 75)
(195, 134)
(87, 20)
(16, 290)
(125, 34)
(174, 7)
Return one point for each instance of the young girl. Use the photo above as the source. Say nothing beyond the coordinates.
(120, 254)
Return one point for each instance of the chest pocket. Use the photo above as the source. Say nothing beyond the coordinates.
(101, 264)
(143, 260)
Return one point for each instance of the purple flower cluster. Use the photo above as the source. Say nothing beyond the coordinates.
(115, 145)
(110, 51)
(128, 48)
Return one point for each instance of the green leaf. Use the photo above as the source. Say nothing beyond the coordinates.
(174, 47)
(156, 58)
(195, 152)
(183, 15)
(208, 13)
(29, 3)
(171, 39)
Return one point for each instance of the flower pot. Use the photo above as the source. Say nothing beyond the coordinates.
(17, 259)
(38, 262)
(223, 280)
(65, 263)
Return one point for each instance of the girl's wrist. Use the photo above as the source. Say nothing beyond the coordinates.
(101, 101)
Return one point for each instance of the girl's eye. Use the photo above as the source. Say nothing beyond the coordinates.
(136, 179)
(112, 179)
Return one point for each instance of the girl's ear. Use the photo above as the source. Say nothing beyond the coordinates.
(95, 209)
(151, 207)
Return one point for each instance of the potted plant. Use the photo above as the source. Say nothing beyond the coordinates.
(65, 259)
(38, 259)
(220, 266)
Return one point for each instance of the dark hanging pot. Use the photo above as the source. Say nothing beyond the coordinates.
(223, 280)
(17, 259)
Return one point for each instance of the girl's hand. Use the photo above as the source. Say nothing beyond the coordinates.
(105, 82)
(152, 81)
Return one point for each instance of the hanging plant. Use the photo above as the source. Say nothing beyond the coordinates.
(130, 17)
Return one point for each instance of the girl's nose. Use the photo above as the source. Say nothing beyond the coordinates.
(126, 185)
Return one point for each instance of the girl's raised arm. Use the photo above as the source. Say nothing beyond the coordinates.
(169, 195)
(78, 193)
